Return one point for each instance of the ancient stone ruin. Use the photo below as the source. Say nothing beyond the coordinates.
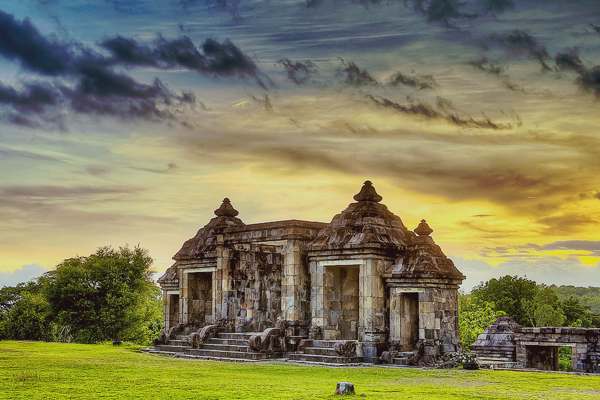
(351, 290)
(506, 344)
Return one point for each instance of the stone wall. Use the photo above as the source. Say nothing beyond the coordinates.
(536, 347)
(254, 295)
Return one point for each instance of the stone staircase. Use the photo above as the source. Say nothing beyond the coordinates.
(321, 352)
(225, 346)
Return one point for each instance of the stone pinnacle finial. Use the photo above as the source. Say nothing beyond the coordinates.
(368, 193)
(226, 209)
(423, 229)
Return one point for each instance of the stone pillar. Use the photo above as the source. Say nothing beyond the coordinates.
(521, 354)
(183, 300)
(166, 300)
(221, 284)
(293, 283)
(316, 298)
(371, 329)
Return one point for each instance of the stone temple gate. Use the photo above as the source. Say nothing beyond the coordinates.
(336, 292)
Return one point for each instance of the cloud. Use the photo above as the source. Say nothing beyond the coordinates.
(22, 42)
(169, 168)
(91, 86)
(23, 274)
(499, 6)
(588, 78)
(519, 43)
(592, 246)
(299, 72)
(214, 58)
(31, 105)
(440, 10)
(427, 111)
(485, 65)
(355, 76)
(566, 223)
(31, 192)
(416, 81)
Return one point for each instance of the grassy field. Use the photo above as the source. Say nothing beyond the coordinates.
(33, 370)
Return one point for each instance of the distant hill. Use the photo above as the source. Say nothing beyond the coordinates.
(589, 296)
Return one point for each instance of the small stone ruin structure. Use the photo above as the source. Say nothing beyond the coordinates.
(506, 344)
(339, 292)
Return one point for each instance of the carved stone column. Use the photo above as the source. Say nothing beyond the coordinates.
(294, 298)
(372, 308)
(221, 282)
(183, 300)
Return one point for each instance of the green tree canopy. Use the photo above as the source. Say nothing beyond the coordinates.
(508, 294)
(107, 295)
(474, 316)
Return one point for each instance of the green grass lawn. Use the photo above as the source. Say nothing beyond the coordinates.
(34, 370)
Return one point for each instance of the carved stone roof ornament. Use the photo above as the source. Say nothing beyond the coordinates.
(423, 229)
(206, 238)
(364, 224)
(226, 209)
(368, 193)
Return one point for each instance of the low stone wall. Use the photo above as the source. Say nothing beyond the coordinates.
(507, 342)
(582, 341)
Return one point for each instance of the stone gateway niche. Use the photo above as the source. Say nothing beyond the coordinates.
(409, 320)
(341, 293)
(200, 298)
(173, 305)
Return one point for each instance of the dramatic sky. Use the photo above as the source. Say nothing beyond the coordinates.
(127, 121)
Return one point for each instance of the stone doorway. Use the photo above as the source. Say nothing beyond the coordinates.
(341, 302)
(173, 310)
(544, 358)
(409, 321)
(200, 298)
(547, 357)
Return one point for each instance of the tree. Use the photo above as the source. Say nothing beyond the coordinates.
(475, 315)
(24, 313)
(576, 314)
(107, 295)
(509, 294)
(544, 308)
(27, 319)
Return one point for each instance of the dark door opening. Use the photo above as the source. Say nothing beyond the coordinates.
(409, 321)
(200, 298)
(173, 310)
(544, 358)
(341, 286)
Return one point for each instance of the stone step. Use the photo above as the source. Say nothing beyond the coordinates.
(494, 360)
(153, 350)
(317, 358)
(173, 349)
(324, 343)
(178, 342)
(182, 337)
(400, 361)
(236, 335)
(225, 347)
(230, 342)
(228, 354)
(323, 351)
